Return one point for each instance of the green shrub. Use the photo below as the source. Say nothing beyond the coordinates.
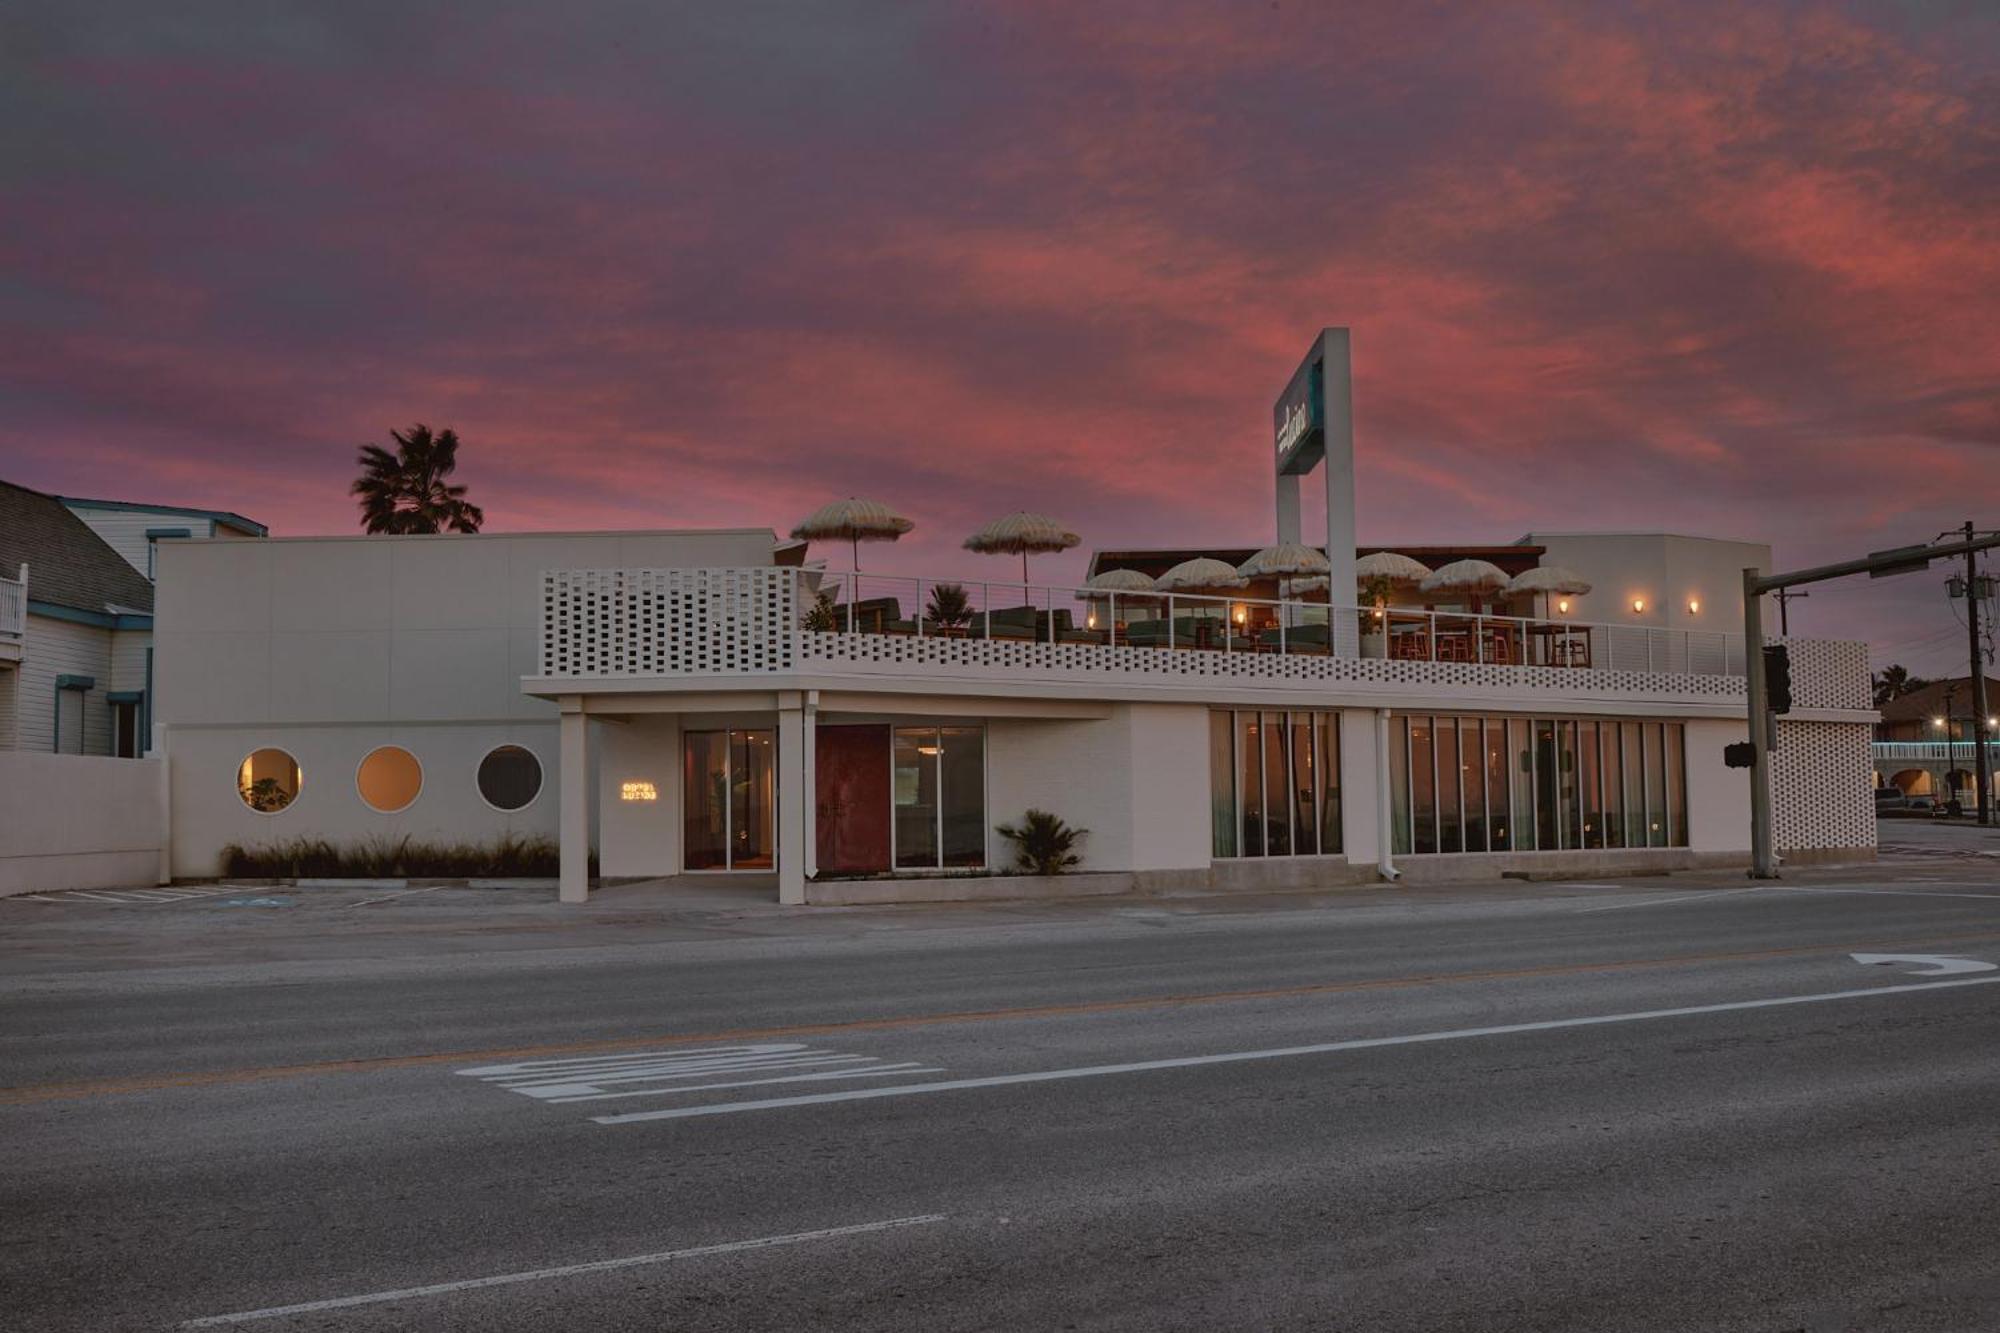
(510, 857)
(1043, 843)
(819, 618)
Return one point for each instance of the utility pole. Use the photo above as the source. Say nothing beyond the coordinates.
(1982, 765)
(1783, 596)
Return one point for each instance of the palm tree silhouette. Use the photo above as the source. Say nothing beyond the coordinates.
(1893, 682)
(409, 490)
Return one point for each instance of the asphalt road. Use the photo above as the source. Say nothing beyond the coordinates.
(1659, 1105)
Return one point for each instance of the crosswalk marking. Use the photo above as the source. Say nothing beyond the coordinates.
(593, 1078)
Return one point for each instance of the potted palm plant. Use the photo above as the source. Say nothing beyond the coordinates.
(949, 610)
(1374, 616)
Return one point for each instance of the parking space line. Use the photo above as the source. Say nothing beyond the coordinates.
(566, 1270)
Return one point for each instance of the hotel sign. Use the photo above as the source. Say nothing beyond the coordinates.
(1299, 419)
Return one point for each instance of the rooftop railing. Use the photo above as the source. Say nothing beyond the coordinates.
(706, 622)
(1935, 751)
(1227, 623)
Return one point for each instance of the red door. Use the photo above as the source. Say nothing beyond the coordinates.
(853, 799)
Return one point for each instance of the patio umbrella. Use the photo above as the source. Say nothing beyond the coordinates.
(1546, 579)
(1313, 586)
(1391, 573)
(1472, 577)
(854, 521)
(1130, 586)
(1200, 575)
(1283, 561)
(1018, 534)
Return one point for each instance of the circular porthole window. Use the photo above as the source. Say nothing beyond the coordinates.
(268, 780)
(389, 779)
(510, 777)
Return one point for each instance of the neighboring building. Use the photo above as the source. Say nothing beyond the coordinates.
(75, 634)
(688, 703)
(1924, 744)
(134, 530)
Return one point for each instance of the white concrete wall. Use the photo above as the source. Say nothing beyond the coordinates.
(63, 648)
(641, 838)
(1663, 570)
(1079, 770)
(1718, 797)
(209, 814)
(1360, 792)
(1168, 757)
(329, 646)
(78, 822)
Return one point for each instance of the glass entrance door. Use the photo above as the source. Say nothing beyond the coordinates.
(729, 799)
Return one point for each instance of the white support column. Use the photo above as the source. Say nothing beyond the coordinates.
(809, 795)
(573, 812)
(794, 801)
(1385, 804)
(1344, 638)
(1288, 507)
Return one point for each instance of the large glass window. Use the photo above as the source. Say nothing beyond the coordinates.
(1444, 734)
(1490, 784)
(1328, 770)
(1250, 781)
(1499, 823)
(753, 791)
(1423, 787)
(939, 796)
(1472, 783)
(1305, 815)
(1521, 762)
(1399, 784)
(1274, 783)
(729, 795)
(1656, 787)
(1222, 783)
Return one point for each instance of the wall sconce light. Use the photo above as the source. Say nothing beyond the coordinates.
(1563, 606)
(1638, 606)
(1241, 613)
(1694, 606)
(1090, 620)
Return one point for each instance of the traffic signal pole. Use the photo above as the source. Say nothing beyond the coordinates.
(1908, 559)
(1763, 860)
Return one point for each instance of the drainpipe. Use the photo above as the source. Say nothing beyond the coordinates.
(1384, 817)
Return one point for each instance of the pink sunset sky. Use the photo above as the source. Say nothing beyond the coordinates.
(1725, 269)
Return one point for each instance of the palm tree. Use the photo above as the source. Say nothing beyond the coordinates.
(409, 490)
(1895, 681)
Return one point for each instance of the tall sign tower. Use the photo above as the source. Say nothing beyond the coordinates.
(1313, 423)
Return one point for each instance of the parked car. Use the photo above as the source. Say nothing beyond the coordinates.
(1890, 798)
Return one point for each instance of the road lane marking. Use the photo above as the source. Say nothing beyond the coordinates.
(1275, 1053)
(567, 1270)
(682, 1072)
(1677, 898)
(392, 897)
(28, 1094)
(1938, 964)
(1880, 893)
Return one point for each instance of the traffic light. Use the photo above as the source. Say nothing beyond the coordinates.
(1738, 754)
(1777, 678)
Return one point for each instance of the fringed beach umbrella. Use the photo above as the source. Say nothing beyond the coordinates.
(1475, 578)
(1314, 587)
(1282, 562)
(853, 521)
(1391, 566)
(1200, 575)
(1117, 587)
(1020, 533)
(1546, 579)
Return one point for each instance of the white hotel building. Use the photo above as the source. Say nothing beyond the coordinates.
(703, 703)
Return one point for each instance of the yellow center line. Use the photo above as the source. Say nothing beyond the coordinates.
(46, 1092)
